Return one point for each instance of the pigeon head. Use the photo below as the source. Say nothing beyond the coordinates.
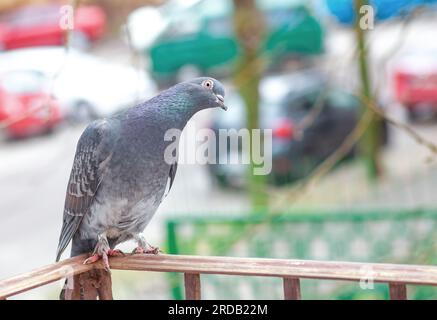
(206, 93)
(180, 102)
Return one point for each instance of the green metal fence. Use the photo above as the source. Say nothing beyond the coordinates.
(408, 237)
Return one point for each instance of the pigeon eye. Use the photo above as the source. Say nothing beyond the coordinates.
(208, 84)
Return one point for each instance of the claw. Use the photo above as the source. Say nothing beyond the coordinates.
(106, 262)
(96, 257)
(92, 259)
(139, 250)
(153, 250)
(115, 253)
(149, 250)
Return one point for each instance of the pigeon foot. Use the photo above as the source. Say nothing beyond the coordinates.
(149, 250)
(104, 256)
(144, 246)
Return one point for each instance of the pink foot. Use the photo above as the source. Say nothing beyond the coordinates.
(92, 259)
(115, 253)
(149, 250)
(96, 257)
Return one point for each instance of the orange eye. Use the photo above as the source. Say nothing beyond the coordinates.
(208, 84)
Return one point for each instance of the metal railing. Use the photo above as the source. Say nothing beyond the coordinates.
(291, 271)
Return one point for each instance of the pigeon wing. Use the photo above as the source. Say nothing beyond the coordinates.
(92, 156)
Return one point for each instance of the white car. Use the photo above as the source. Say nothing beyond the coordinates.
(86, 87)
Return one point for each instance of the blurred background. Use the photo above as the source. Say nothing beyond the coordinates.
(350, 96)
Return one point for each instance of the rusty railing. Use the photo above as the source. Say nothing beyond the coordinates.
(291, 271)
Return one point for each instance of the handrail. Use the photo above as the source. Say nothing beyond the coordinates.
(192, 266)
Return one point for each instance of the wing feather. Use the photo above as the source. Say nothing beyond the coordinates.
(93, 148)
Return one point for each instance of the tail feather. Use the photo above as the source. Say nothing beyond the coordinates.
(67, 233)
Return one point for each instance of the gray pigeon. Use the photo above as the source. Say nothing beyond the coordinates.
(119, 174)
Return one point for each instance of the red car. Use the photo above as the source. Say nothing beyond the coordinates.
(25, 109)
(41, 26)
(415, 82)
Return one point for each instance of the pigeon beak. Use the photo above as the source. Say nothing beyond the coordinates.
(221, 101)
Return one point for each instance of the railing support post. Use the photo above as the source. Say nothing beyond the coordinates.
(192, 286)
(89, 285)
(398, 291)
(292, 289)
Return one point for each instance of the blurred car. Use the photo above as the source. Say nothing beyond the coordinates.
(40, 25)
(285, 101)
(25, 106)
(154, 19)
(200, 38)
(87, 87)
(415, 81)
